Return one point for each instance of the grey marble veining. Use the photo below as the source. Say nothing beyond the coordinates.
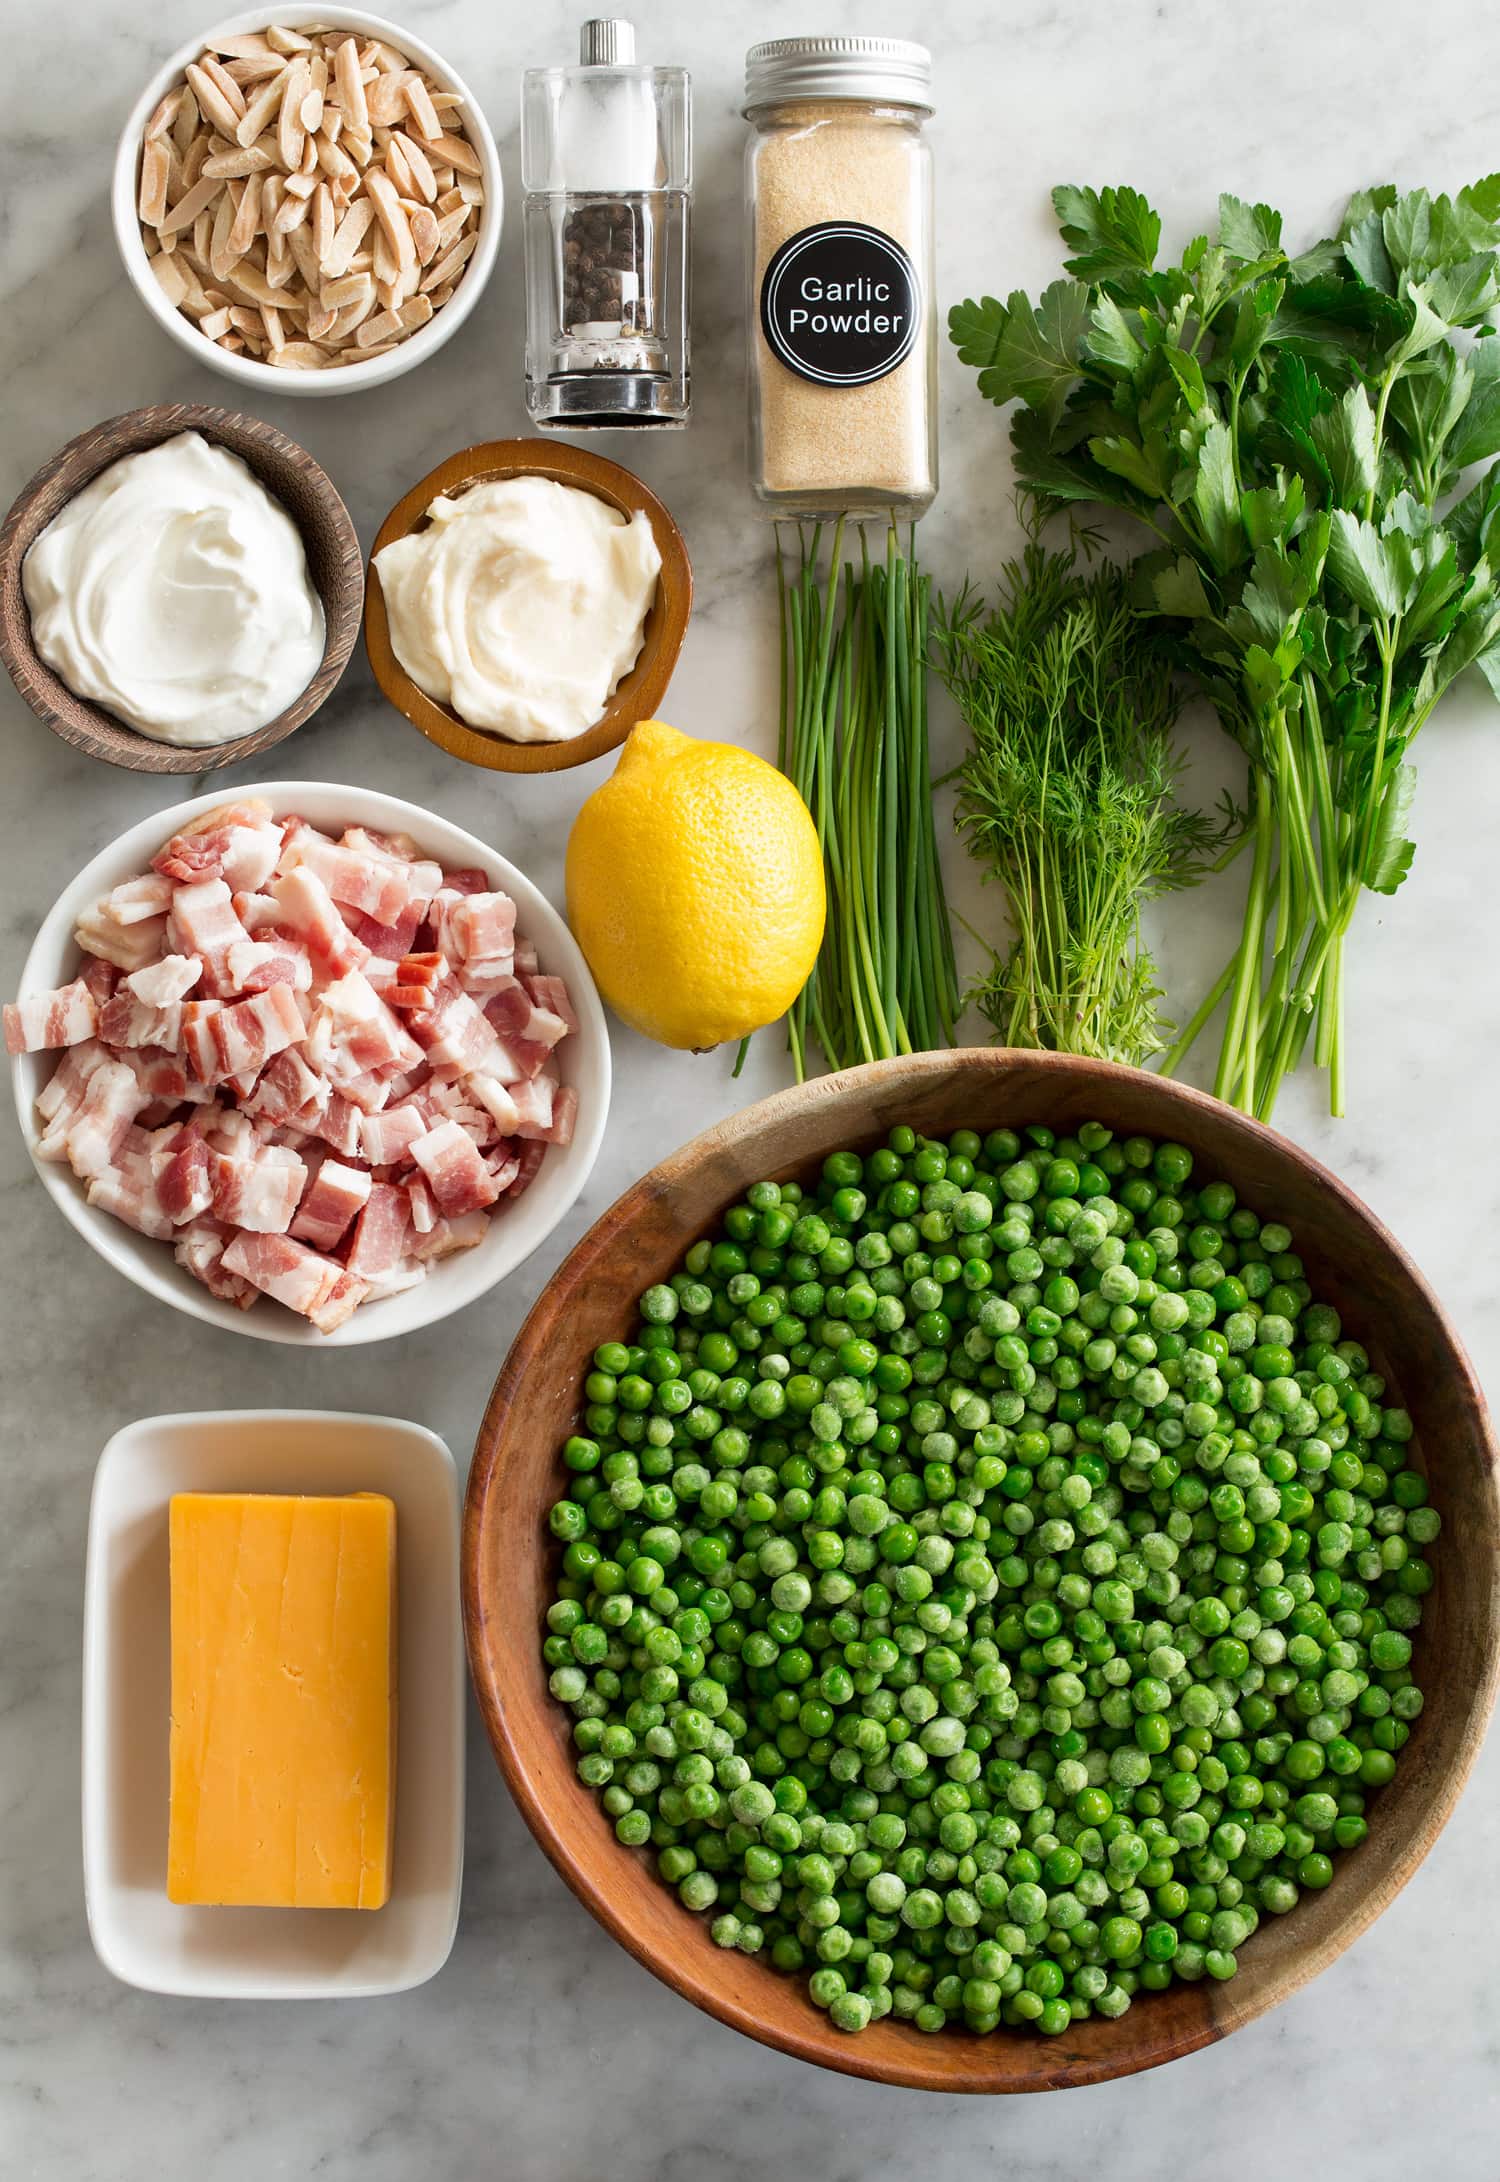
(542, 2053)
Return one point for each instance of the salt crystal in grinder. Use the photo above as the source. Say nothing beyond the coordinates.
(606, 165)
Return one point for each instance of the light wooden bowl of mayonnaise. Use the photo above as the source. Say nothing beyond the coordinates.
(639, 692)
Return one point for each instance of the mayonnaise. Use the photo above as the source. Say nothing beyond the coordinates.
(174, 590)
(521, 604)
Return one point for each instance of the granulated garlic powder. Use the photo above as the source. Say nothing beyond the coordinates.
(832, 161)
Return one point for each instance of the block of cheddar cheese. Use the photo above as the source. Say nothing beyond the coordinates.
(283, 1700)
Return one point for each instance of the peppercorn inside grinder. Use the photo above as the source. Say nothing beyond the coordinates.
(606, 166)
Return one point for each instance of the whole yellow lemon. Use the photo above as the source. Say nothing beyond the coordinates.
(695, 888)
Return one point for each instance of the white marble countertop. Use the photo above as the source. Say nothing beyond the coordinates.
(542, 2052)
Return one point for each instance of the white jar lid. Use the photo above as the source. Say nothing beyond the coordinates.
(884, 71)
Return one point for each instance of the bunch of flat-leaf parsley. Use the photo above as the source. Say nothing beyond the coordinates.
(1293, 432)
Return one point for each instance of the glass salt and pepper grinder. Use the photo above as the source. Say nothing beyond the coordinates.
(606, 166)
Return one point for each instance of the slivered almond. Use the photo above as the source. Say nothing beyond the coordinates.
(424, 235)
(185, 127)
(452, 225)
(289, 132)
(423, 113)
(203, 228)
(249, 45)
(392, 219)
(222, 259)
(233, 95)
(446, 267)
(388, 58)
(166, 113)
(418, 163)
(228, 166)
(299, 356)
(320, 323)
(211, 100)
(192, 166)
(246, 218)
(271, 320)
(456, 152)
(352, 316)
(398, 170)
(385, 101)
(261, 107)
(350, 234)
(335, 160)
(322, 220)
(349, 85)
(310, 113)
(281, 40)
(172, 279)
(213, 323)
(337, 295)
(188, 207)
(156, 165)
(292, 210)
(300, 184)
(246, 73)
(332, 124)
(471, 189)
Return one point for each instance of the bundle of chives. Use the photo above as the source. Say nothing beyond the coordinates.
(853, 740)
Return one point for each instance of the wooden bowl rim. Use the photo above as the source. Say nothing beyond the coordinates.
(643, 687)
(1223, 2010)
(90, 727)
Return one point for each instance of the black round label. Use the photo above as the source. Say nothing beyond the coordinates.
(840, 303)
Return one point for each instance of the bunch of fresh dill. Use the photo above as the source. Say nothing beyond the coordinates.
(1070, 797)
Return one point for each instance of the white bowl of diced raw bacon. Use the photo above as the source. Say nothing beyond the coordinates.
(314, 1064)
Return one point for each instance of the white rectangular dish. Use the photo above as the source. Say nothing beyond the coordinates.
(266, 1954)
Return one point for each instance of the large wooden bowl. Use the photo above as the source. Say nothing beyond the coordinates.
(508, 1558)
(640, 691)
(288, 473)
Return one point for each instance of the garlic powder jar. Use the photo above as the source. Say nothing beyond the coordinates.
(842, 328)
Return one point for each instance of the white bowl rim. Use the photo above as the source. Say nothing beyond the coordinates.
(247, 371)
(151, 1265)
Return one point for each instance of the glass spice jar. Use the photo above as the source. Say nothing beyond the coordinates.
(842, 329)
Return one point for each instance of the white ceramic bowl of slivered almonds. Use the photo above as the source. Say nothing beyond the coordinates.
(403, 188)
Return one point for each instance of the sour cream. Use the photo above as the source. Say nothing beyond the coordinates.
(522, 604)
(174, 591)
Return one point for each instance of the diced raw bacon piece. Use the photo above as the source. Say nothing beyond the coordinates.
(200, 1251)
(564, 1114)
(338, 1125)
(43, 1022)
(137, 901)
(329, 1203)
(256, 964)
(240, 1039)
(363, 1033)
(401, 848)
(532, 1156)
(466, 880)
(367, 878)
(456, 1035)
(159, 1074)
(390, 941)
(380, 1233)
(127, 946)
(316, 1287)
(409, 1273)
(516, 1015)
(128, 1021)
(552, 994)
(464, 1233)
(184, 1181)
(296, 832)
(526, 962)
(424, 1216)
(516, 1059)
(386, 1139)
(258, 912)
(112, 1100)
(289, 1090)
(456, 1175)
(238, 843)
(160, 983)
(420, 979)
(492, 1094)
(504, 1166)
(100, 977)
(370, 1091)
(534, 1104)
(130, 1193)
(308, 909)
(258, 1190)
(61, 1095)
(484, 930)
(202, 921)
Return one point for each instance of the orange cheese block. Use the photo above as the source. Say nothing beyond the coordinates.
(283, 1700)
